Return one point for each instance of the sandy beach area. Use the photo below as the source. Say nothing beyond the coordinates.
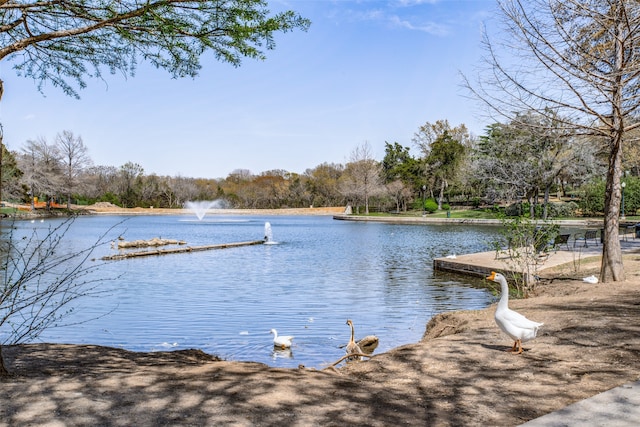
(110, 209)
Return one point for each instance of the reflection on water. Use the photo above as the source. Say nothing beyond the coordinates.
(225, 302)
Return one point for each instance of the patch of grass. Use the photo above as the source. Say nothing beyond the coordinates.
(467, 213)
(482, 214)
(461, 213)
(8, 211)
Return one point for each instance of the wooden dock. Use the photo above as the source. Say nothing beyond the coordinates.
(179, 250)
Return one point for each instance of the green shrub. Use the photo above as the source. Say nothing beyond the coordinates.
(430, 205)
(446, 207)
(592, 198)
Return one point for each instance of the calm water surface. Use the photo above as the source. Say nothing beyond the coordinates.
(318, 273)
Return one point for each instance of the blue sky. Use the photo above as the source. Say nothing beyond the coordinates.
(366, 71)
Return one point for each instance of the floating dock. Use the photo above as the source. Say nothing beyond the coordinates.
(182, 249)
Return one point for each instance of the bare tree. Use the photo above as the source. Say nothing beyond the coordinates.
(182, 190)
(575, 59)
(363, 176)
(40, 164)
(99, 181)
(400, 193)
(39, 282)
(74, 158)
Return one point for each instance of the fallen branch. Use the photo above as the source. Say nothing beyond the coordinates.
(347, 356)
(156, 241)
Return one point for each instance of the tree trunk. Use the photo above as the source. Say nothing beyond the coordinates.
(3, 369)
(441, 195)
(366, 204)
(532, 206)
(611, 268)
(545, 206)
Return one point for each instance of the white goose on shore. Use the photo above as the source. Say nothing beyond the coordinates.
(512, 323)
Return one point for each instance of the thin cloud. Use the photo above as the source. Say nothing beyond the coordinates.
(388, 16)
(408, 3)
(432, 28)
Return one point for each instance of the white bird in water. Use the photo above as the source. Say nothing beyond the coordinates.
(512, 323)
(283, 341)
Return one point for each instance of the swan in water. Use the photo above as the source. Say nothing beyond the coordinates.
(514, 324)
(352, 347)
(283, 341)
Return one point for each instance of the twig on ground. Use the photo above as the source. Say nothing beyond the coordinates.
(347, 356)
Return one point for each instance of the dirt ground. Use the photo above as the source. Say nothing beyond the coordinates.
(458, 374)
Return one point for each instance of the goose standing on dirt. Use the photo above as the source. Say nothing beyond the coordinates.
(514, 324)
(282, 341)
(353, 347)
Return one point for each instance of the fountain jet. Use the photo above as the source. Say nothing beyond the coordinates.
(200, 207)
(268, 234)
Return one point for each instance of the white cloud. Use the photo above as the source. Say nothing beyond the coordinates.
(433, 28)
(407, 3)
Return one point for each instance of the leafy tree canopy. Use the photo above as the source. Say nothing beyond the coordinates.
(66, 42)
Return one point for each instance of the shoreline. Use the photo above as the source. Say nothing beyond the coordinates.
(587, 222)
(114, 210)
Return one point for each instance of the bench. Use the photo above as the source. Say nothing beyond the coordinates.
(586, 237)
(561, 239)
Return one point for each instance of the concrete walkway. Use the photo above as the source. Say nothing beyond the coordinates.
(618, 407)
(481, 264)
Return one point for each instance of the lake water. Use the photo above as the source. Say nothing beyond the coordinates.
(318, 273)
